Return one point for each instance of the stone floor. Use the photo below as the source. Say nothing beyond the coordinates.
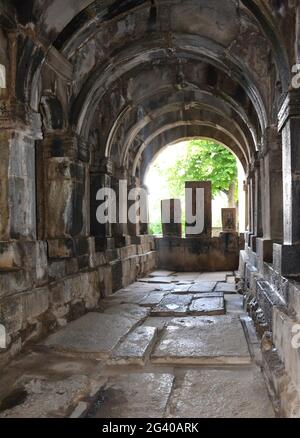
(172, 345)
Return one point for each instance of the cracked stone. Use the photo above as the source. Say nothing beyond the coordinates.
(203, 287)
(95, 333)
(211, 340)
(153, 299)
(173, 305)
(135, 349)
(238, 393)
(142, 395)
(207, 306)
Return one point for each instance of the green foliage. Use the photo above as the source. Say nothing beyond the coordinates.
(205, 161)
(155, 228)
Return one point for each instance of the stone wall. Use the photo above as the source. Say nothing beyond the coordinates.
(273, 301)
(39, 294)
(200, 254)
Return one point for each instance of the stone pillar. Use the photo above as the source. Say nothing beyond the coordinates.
(144, 227)
(120, 186)
(287, 256)
(206, 185)
(65, 194)
(99, 180)
(133, 228)
(272, 195)
(171, 214)
(18, 132)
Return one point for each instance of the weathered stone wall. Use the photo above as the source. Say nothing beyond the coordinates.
(200, 254)
(273, 302)
(39, 294)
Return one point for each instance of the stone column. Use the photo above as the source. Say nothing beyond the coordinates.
(98, 180)
(120, 186)
(66, 195)
(144, 227)
(133, 228)
(272, 195)
(256, 213)
(18, 132)
(287, 256)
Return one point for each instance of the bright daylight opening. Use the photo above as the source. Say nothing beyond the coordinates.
(196, 160)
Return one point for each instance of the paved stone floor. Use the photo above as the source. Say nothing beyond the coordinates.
(172, 345)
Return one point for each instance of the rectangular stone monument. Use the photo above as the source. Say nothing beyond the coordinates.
(207, 186)
(229, 220)
(171, 214)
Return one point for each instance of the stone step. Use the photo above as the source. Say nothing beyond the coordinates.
(136, 347)
(226, 287)
(96, 334)
(173, 305)
(218, 340)
(207, 306)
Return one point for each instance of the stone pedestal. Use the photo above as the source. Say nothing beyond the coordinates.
(171, 214)
(207, 187)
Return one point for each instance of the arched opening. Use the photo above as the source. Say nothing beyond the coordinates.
(196, 160)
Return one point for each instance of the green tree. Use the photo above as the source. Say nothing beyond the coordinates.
(205, 160)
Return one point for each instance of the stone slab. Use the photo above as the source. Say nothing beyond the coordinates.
(140, 395)
(161, 273)
(207, 306)
(226, 287)
(135, 349)
(238, 393)
(153, 299)
(203, 287)
(173, 305)
(157, 280)
(234, 304)
(214, 276)
(215, 340)
(130, 311)
(95, 333)
(165, 288)
(181, 289)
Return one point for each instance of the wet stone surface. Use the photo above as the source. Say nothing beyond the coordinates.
(207, 306)
(133, 358)
(222, 394)
(95, 333)
(203, 340)
(203, 287)
(135, 348)
(173, 305)
(134, 396)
